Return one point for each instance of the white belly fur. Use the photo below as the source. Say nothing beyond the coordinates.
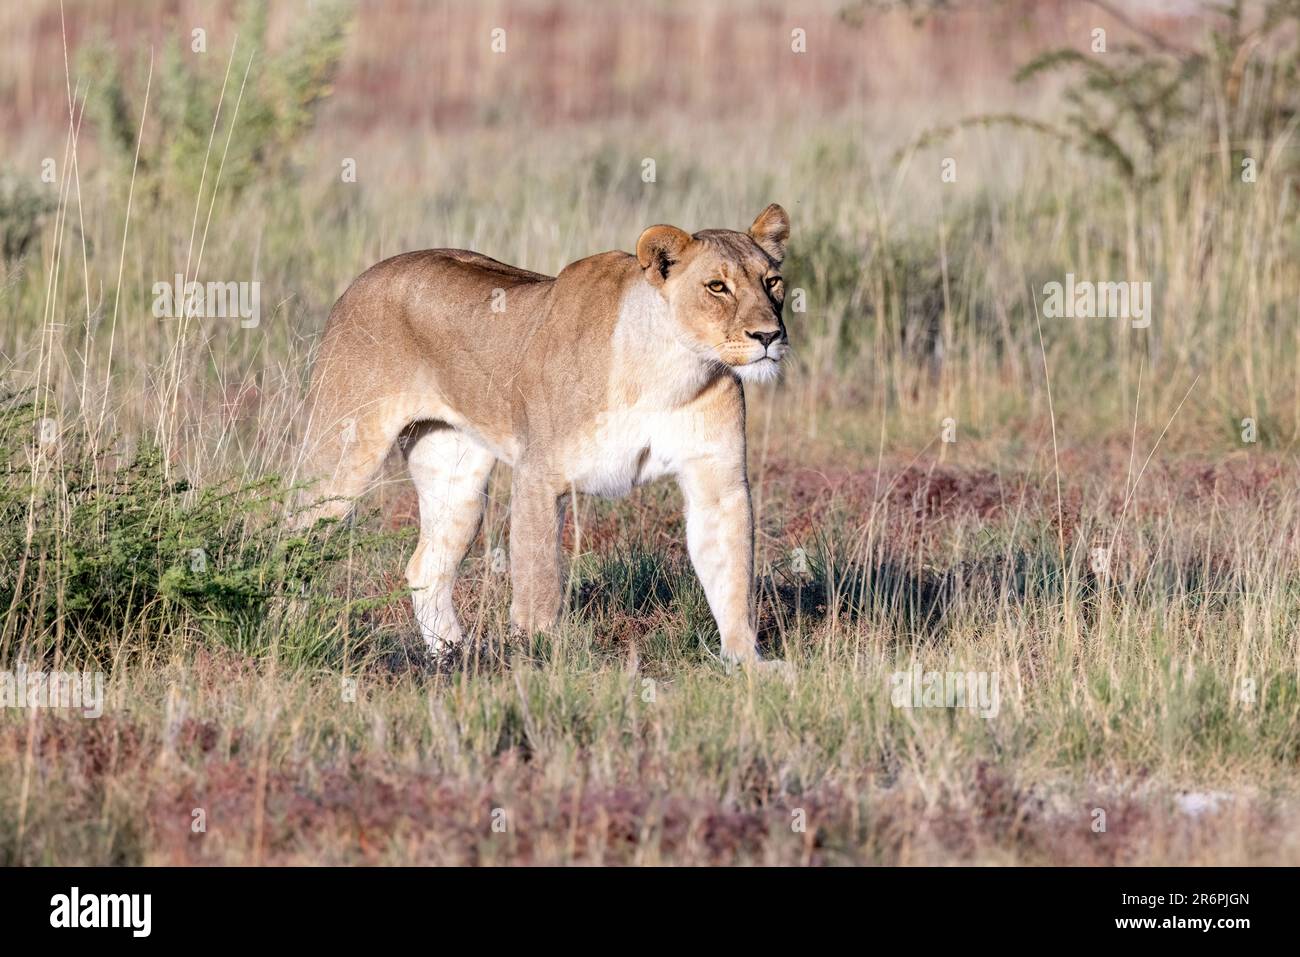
(626, 449)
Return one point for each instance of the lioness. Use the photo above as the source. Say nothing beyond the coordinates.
(619, 370)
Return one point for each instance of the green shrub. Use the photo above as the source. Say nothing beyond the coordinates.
(1142, 107)
(121, 552)
(23, 211)
(263, 119)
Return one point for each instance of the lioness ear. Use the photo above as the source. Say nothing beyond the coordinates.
(658, 250)
(771, 230)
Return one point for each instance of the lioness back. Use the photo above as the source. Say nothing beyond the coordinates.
(456, 336)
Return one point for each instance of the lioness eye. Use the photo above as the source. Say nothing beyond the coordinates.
(773, 282)
(717, 285)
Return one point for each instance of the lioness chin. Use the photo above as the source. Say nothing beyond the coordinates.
(618, 371)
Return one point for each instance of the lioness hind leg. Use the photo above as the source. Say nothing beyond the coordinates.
(341, 457)
(450, 474)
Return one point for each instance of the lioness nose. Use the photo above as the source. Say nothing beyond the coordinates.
(766, 338)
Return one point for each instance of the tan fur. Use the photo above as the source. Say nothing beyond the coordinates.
(617, 371)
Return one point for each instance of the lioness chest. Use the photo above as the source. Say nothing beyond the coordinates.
(624, 449)
(650, 419)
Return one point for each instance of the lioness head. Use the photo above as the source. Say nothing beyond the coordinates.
(724, 290)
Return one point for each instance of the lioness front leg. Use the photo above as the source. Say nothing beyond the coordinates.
(536, 518)
(720, 539)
